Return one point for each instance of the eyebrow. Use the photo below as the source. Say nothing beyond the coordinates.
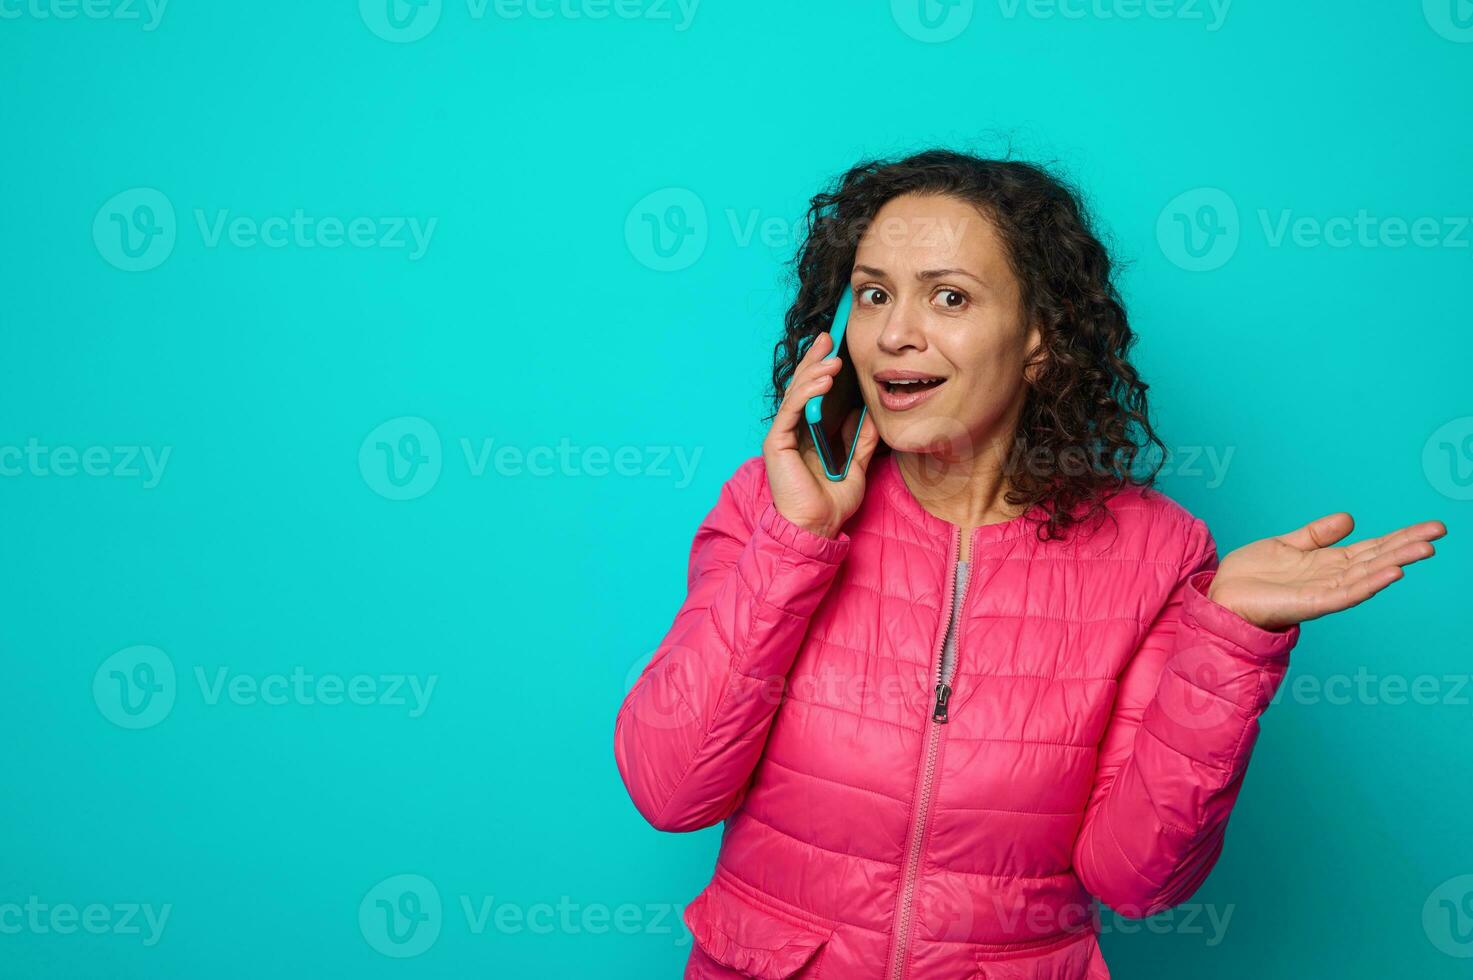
(924, 275)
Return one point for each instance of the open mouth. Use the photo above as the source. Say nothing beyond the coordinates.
(911, 385)
(901, 391)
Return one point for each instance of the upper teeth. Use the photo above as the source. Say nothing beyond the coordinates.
(910, 381)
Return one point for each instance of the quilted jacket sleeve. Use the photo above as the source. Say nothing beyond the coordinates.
(693, 727)
(1177, 747)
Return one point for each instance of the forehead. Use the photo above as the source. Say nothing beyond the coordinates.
(914, 232)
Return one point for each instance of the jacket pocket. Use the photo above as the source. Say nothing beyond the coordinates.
(1070, 958)
(735, 929)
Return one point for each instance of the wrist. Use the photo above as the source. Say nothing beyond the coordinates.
(822, 530)
(803, 540)
(1215, 593)
(815, 526)
(1223, 596)
(1206, 617)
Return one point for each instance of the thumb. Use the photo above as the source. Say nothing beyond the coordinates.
(1320, 532)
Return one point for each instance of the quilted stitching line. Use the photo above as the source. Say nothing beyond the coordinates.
(900, 510)
(1110, 832)
(1207, 691)
(837, 782)
(1243, 735)
(850, 924)
(1235, 649)
(761, 901)
(1057, 679)
(952, 737)
(1009, 875)
(1044, 618)
(1146, 789)
(998, 809)
(1042, 558)
(761, 597)
(1002, 876)
(864, 653)
(854, 714)
(846, 923)
(878, 533)
(855, 584)
(1184, 754)
(749, 815)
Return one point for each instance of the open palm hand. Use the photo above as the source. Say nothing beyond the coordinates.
(1280, 581)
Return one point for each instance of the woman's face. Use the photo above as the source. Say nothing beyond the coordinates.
(934, 296)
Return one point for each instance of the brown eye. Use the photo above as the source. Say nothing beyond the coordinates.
(876, 295)
(952, 299)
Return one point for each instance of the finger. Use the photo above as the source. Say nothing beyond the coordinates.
(1354, 593)
(811, 350)
(815, 348)
(813, 376)
(1406, 554)
(829, 366)
(1423, 531)
(789, 414)
(807, 370)
(1320, 532)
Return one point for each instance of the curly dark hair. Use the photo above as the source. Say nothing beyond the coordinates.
(1086, 402)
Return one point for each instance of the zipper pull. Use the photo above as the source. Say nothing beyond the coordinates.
(943, 695)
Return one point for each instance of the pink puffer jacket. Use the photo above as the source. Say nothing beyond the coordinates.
(1099, 724)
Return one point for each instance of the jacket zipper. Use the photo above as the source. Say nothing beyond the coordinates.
(943, 680)
(928, 769)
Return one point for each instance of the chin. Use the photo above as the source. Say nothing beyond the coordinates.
(932, 434)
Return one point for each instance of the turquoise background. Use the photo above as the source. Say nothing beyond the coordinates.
(546, 150)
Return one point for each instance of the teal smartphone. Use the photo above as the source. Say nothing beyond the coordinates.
(825, 414)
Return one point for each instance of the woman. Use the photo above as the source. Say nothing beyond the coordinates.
(993, 674)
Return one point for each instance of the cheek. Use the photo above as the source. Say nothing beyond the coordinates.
(859, 352)
(991, 376)
(990, 358)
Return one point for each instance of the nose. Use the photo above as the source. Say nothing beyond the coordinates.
(903, 328)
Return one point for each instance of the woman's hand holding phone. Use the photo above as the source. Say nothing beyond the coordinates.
(800, 490)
